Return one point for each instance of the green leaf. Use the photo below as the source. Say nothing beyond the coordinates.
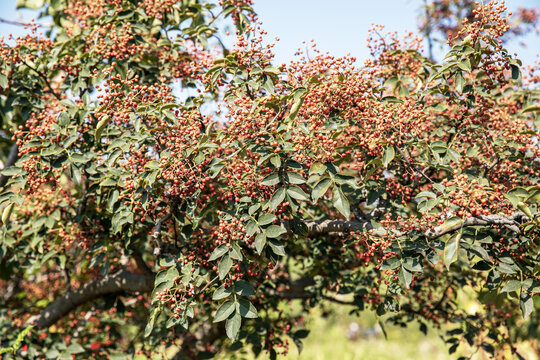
(320, 189)
(232, 326)
(450, 250)
(317, 169)
(30, 4)
(243, 288)
(295, 178)
(222, 292)
(516, 73)
(224, 311)
(236, 252)
(12, 170)
(388, 156)
(150, 324)
(452, 223)
(247, 310)
(405, 277)
(277, 198)
(345, 179)
(251, 228)
(167, 275)
(277, 247)
(100, 127)
(341, 203)
(426, 194)
(266, 219)
(218, 252)
(276, 161)
(297, 193)
(532, 108)
(260, 242)
(275, 231)
(224, 266)
(75, 348)
(272, 179)
(511, 286)
(526, 304)
(465, 65)
(459, 82)
(3, 81)
(297, 105)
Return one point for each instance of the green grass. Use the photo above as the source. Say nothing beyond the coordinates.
(328, 340)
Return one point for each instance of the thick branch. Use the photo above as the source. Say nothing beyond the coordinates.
(510, 222)
(119, 282)
(329, 227)
(336, 227)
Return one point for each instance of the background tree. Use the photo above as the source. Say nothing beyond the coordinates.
(442, 19)
(136, 219)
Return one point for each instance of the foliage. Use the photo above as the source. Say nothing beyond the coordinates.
(188, 222)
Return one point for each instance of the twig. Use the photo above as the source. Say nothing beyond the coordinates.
(45, 79)
(17, 23)
(207, 285)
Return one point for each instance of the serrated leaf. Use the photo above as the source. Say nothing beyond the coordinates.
(526, 304)
(275, 231)
(150, 324)
(277, 198)
(246, 309)
(270, 180)
(341, 203)
(243, 288)
(450, 250)
(320, 189)
(12, 170)
(345, 179)
(388, 155)
(260, 242)
(276, 161)
(511, 286)
(426, 194)
(317, 168)
(277, 247)
(218, 252)
(297, 193)
(224, 311)
(266, 219)
(295, 178)
(224, 266)
(100, 127)
(236, 252)
(452, 223)
(251, 228)
(232, 326)
(405, 277)
(222, 292)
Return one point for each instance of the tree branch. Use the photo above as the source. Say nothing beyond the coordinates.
(17, 23)
(336, 227)
(116, 283)
(510, 222)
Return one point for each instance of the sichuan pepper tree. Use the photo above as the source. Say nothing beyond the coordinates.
(140, 221)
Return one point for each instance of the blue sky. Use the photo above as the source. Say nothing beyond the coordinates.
(337, 26)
